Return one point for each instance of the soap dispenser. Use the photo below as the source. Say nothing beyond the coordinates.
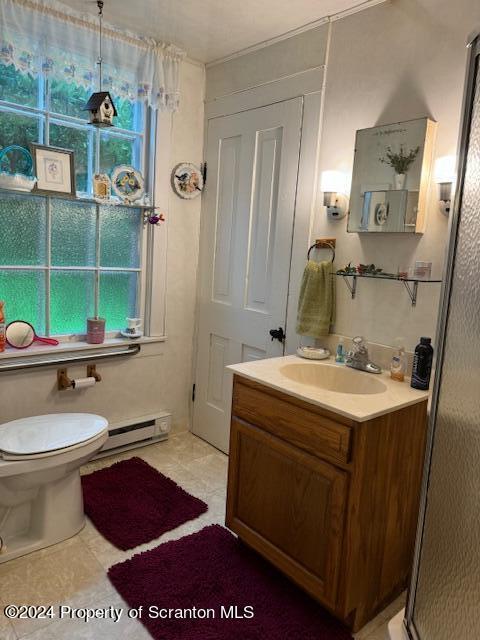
(398, 366)
(340, 354)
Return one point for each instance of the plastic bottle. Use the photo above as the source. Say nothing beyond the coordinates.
(3, 340)
(340, 354)
(422, 365)
(398, 366)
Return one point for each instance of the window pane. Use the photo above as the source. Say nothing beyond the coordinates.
(131, 115)
(73, 234)
(118, 298)
(16, 129)
(115, 150)
(23, 224)
(120, 233)
(24, 295)
(68, 98)
(71, 301)
(17, 87)
(77, 140)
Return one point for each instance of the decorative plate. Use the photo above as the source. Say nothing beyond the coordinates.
(187, 180)
(128, 183)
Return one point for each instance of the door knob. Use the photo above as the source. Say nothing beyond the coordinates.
(277, 334)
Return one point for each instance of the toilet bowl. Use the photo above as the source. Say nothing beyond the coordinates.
(41, 500)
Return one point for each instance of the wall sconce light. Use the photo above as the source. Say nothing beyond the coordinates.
(445, 178)
(334, 185)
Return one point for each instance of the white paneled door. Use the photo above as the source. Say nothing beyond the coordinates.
(246, 240)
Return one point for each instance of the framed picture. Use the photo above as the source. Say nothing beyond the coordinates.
(55, 170)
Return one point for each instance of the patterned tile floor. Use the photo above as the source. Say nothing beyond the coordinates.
(73, 573)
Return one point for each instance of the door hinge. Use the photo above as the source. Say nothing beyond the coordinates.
(203, 169)
(193, 393)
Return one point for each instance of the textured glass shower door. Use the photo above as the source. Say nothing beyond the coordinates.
(444, 603)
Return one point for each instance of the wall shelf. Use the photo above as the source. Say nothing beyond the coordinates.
(411, 284)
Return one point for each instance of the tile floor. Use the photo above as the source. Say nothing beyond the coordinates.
(74, 572)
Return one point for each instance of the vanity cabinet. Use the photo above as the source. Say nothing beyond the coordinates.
(331, 502)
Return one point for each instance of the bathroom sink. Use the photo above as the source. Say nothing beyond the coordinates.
(333, 378)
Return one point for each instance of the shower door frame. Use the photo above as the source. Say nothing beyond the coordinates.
(473, 44)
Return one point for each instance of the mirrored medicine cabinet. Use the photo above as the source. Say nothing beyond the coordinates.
(391, 175)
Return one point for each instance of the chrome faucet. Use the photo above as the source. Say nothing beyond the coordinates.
(357, 358)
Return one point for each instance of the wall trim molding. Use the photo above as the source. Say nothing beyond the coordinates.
(367, 4)
(293, 86)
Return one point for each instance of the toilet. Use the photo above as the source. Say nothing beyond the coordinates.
(41, 500)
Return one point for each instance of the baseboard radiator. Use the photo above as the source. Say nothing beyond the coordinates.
(129, 435)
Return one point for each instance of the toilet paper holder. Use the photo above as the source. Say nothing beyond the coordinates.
(64, 382)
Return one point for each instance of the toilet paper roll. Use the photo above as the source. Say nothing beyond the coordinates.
(82, 383)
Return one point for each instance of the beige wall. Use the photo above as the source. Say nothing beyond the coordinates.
(399, 60)
(287, 57)
(160, 377)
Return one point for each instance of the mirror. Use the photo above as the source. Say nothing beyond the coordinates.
(390, 179)
(21, 334)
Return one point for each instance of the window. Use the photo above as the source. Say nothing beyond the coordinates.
(62, 261)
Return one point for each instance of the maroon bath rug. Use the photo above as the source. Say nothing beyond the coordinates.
(182, 586)
(131, 503)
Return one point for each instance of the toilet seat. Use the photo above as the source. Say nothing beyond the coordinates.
(48, 435)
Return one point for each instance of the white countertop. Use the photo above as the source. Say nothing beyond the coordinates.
(356, 406)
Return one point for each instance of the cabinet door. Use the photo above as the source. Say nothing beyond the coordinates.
(289, 506)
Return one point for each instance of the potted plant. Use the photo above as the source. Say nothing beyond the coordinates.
(400, 163)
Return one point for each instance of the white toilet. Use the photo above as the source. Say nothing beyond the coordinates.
(41, 500)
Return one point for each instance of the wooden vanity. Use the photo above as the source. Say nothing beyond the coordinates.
(332, 502)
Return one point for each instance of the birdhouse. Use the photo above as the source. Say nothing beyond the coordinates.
(101, 108)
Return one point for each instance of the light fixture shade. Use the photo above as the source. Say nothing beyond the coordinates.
(445, 169)
(445, 191)
(334, 181)
(329, 198)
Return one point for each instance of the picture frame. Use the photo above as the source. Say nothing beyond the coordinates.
(55, 170)
(102, 186)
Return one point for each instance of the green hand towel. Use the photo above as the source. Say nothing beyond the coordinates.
(316, 303)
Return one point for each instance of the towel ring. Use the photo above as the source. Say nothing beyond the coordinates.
(324, 246)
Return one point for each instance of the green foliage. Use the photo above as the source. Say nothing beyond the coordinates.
(16, 87)
(18, 129)
(76, 140)
(400, 161)
(68, 98)
(114, 151)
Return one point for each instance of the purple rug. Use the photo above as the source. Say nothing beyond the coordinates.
(131, 503)
(211, 569)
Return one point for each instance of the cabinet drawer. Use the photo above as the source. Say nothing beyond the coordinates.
(305, 429)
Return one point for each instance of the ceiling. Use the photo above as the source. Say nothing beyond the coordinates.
(212, 29)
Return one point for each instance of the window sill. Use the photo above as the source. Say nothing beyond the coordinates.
(74, 347)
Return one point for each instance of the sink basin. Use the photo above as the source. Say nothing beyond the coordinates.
(333, 378)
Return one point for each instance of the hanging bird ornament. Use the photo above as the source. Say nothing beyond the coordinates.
(100, 104)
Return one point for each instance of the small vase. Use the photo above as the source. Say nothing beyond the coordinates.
(400, 181)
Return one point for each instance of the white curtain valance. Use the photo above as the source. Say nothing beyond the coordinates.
(47, 37)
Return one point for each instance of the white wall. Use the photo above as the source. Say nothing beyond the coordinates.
(287, 57)
(160, 377)
(396, 61)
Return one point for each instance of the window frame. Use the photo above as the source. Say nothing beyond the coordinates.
(143, 156)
